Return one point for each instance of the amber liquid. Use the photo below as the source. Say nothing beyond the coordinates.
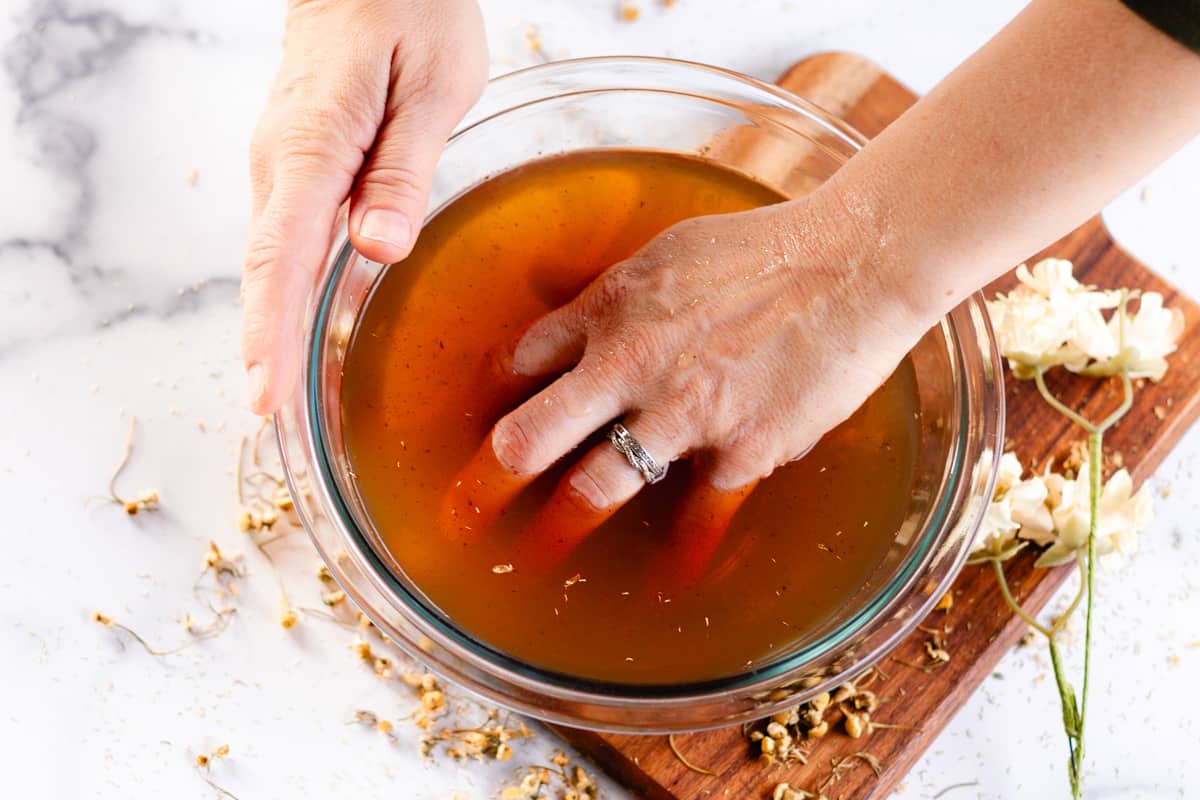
(419, 399)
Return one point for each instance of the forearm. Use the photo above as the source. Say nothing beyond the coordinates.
(1071, 103)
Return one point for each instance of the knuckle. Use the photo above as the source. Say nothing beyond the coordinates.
(610, 292)
(739, 465)
(692, 394)
(257, 331)
(669, 428)
(393, 180)
(641, 353)
(264, 252)
(260, 149)
(449, 77)
(312, 136)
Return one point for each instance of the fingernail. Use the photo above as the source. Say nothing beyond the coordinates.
(258, 383)
(384, 225)
(500, 358)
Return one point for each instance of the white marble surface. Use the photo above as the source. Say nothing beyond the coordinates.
(118, 283)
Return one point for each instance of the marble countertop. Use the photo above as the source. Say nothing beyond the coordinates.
(123, 129)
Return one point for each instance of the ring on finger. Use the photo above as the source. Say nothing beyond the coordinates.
(639, 458)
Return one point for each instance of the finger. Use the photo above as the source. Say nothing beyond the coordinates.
(700, 524)
(553, 422)
(599, 485)
(389, 203)
(501, 385)
(522, 445)
(290, 240)
(479, 494)
(551, 344)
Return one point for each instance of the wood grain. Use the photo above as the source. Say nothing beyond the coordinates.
(979, 628)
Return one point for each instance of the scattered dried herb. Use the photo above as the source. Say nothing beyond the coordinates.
(571, 781)
(954, 786)
(683, 759)
(204, 763)
(841, 765)
(147, 499)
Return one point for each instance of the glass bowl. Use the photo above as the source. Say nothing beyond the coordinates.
(781, 140)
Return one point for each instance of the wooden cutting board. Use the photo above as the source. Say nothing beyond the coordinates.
(981, 628)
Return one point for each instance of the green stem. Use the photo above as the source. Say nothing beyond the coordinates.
(1040, 379)
(1095, 440)
(1074, 718)
(1122, 409)
(1070, 612)
(1014, 605)
(1066, 696)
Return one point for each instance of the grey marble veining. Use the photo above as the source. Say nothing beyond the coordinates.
(57, 47)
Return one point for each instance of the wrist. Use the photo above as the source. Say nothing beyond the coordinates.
(850, 234)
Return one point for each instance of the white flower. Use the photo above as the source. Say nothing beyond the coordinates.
(1051, 319)
(1031, 333)
(1121, 516)
(1052, 510)
(1029, 509)
(1149, 337)
(1015, 503)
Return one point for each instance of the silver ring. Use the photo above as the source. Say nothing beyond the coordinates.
(638, 457)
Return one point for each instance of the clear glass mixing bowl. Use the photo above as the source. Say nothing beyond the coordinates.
(781, 140)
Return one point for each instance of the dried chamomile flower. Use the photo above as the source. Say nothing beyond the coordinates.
(945, 603)
(486, 741)
(857, 724)
(282, 499)
(203, 760)
(216, 562)
(935, 650)
(287, 618)
(101, 618)
(147, 499)
(783, 791)
(564, 780)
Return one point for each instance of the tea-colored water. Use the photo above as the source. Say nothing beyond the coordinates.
(420, 396)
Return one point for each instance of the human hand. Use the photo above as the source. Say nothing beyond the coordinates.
(366, 96)
(739, 338)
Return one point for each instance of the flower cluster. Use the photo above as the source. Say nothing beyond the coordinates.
(1051, 319)
(1053, 511)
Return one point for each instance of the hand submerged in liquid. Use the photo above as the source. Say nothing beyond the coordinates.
(735, 340)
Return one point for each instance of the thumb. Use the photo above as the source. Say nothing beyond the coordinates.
(388, 205)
